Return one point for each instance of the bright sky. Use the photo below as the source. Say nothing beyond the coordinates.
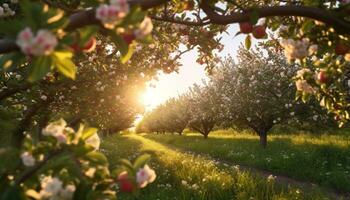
(171, 85)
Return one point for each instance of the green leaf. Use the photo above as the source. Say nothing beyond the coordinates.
(127, 56)
(254, 17)
(81, 191)
(11, 61)
(83, 149)
(119, 42)
(127, 164)
(62, 61)
(32, 13)
(141, 161)
(88, 133)
(13, 193)
(11, 27)
(86, 33)
(97, 158)
(123, 47)
(307, 26)
(248, 42)
(134, 16)
(39, 68)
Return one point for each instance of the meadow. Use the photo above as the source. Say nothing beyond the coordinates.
(322, 159)
(190, 167)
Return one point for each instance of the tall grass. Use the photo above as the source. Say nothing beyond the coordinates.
(187, 176)
(322, 159)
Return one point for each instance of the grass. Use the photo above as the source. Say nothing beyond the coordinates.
(188, 176)
(323, 159)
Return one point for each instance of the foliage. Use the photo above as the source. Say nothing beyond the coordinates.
(257, 91)
(42, 42)
(172, 116)
(205, 108)
(64, 164)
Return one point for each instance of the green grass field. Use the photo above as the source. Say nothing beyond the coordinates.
(187, 175)
(324, 159)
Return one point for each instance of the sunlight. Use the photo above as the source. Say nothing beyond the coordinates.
(151, 98)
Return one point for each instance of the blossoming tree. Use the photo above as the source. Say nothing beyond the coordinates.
(38, 37)
(172, 116)
(205, 108)
(257, 91)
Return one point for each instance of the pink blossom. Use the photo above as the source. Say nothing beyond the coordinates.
(145, 28)
(112, 14)
(43, 43)
(145, 176)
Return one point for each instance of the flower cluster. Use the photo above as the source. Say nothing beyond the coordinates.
(6, 11)
(145, 176)
(27, 159)
(301, 84)
(145, 28)
(113, 13)
(43, 43)
(94, 141)
(52, 188)
(59, 131)
(304, 86)
(298, 49)
(56, 130)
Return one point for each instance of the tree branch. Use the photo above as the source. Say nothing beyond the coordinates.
(172, 20)
(9, 92)
(37, 167)
(322, 15)
(81, 19)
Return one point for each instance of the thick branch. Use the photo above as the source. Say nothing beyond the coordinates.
(9, 92)
(175, 21)
(36, 168)
(322, 15)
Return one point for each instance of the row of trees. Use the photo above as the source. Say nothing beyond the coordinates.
(255, 92)
(45, 45)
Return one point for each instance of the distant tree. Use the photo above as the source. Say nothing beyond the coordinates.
(205, 108)
(172, 116)
(177, 114)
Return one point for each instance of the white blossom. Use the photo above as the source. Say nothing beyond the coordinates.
(347, 57)
(296, 49)
(50, 187)
(145, 176)
(28, 159)
(94, 141)
(67, 192)
(313, 49)
(145, 28)
(303, 86)
(56, 130)
(301, 73)
(271, 178)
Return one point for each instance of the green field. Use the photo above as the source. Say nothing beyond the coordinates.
(215, 174)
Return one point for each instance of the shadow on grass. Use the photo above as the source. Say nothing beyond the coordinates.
(326, 164)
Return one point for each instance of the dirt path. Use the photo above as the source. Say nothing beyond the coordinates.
(280, 178)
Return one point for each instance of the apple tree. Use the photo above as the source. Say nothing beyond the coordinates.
(205, 107)
(257, 91)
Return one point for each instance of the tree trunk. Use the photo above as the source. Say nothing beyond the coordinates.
(263, 139)
(206, 135)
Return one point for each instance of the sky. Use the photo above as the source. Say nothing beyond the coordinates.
(171, 85)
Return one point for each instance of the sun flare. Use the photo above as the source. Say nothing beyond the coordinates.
(151, 98)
